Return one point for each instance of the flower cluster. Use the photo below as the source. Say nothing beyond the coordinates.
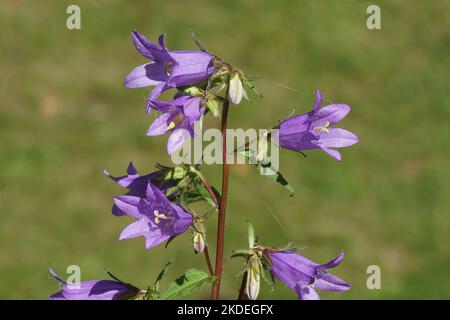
(170, 69)
(159, 202)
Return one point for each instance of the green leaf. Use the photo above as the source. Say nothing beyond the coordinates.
(193, 91)
(155, 286)
(268, 171)
(213, 106)
(191, 280)
(251, 236)
(275, 176)
(249, 84)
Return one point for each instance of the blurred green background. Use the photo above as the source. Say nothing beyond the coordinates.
(64, 117)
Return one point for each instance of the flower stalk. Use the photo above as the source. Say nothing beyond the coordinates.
(215, 292)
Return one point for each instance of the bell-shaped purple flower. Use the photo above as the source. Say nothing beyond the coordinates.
(178, 117)
(156, 218)
(305, 276)
(169, 69)
(312, 130)
(137, 184)
(94, 290)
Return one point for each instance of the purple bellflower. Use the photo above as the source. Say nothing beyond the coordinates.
(156, 218)
(311, 130)
(137, 184)
(169, 69)
(305, 276)
(178, 117)
(94, 290)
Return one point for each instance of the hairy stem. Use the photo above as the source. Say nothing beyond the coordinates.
(222, 207)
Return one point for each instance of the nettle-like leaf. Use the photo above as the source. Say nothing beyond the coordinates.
(267, 170)
(187, 283)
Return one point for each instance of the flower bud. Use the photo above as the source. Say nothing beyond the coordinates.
(199, 238)
(235, 90)
(253, 277)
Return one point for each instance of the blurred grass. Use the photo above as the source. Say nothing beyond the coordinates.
(64, 117)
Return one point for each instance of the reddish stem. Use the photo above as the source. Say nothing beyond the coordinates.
(208, 260)
(222, 207)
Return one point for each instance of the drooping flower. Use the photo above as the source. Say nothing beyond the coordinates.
(156, 218)
(305, 276)
(94, 290)
(169, 69)
(178, 117)
(137, 184)
(311, 130)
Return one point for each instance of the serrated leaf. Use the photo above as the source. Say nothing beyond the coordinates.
(190, 281)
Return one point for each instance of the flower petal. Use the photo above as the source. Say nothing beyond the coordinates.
(190, 67)
(54, 275)
(128, 205)
(334, 262)
(337, 138)
(333, 113)
(159, 126)
(192, 109)
(306, 292)
(154, 94)
(143, 45)
(136, 229)
(176, 139)
(318, 102)
(184, 220)
(334, 153)
(141, 77)
(330, 282)
(292, 268)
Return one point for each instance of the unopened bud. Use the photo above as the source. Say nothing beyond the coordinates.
(253, 278)
(199, 238)
(235, 90)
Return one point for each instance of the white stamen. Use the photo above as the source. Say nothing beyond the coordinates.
(323, 128)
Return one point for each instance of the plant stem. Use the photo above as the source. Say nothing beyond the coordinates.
(222, 207)
(207, 186)
(241, 295)
(208, 261)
